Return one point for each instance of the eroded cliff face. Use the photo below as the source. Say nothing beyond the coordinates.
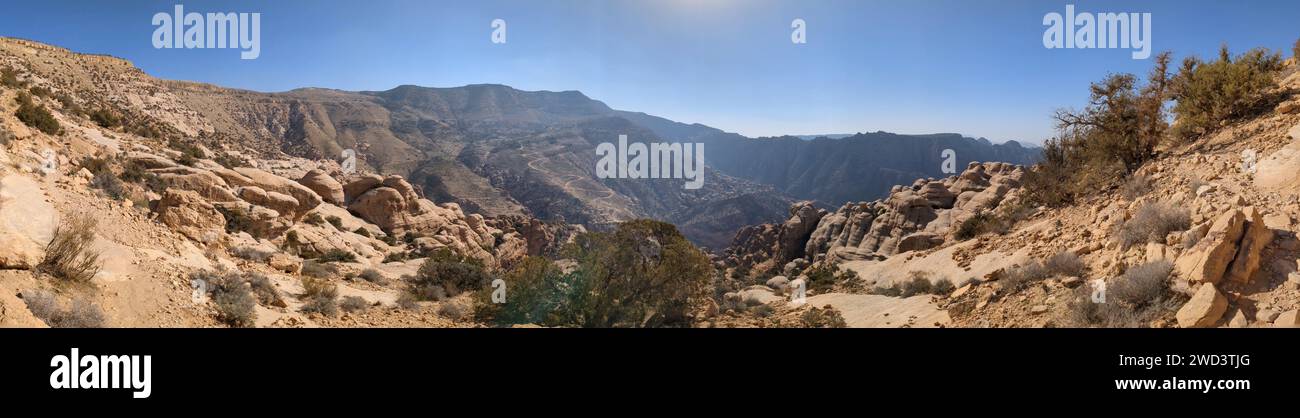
(924, 215)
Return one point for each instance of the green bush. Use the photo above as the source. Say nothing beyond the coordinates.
(314, 219)
(825, 278)
(337, 256)
(335, 221)
(1110, 138)
(446, 274)
(106, 118)
(644, 273)
(1210, 94)
(36, 116)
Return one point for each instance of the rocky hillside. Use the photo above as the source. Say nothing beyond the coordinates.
(1202, 235)
(120, 206)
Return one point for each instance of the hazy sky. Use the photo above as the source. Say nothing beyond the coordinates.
(908, 66)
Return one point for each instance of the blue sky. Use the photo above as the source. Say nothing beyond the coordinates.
(976, 67)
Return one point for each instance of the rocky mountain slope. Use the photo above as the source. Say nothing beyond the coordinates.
(965, 250)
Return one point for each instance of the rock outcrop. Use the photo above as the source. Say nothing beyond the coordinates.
(393, 205)
(778, 243)
(1231, 248)
(188, 213)
(327, 187)
(918, 217)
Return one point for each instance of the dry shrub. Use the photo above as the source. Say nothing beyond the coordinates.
(1152, 223)
(1020, 277)
(824, 317)
(231, 294)
(1065, 263)
(1135, 187)
(1135, 299)
(69, 255)
(79, 314)
(320, 296)
(354, 304)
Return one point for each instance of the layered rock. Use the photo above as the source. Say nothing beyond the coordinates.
(1231, 248)
(190, 214)
(919, 217)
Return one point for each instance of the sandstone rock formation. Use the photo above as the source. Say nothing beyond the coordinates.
(327, 187)
(188, 213)
(1231, 248)
(919, 217)
(1204, 309)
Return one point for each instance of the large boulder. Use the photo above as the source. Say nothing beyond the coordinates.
(27, 222)
(1209, 259)
(1204, 309)
(190, 214)
(360, 185)
(382, 206)
(1280, 171)
(327, 187)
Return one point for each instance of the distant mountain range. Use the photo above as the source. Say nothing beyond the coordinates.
(498, 150)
